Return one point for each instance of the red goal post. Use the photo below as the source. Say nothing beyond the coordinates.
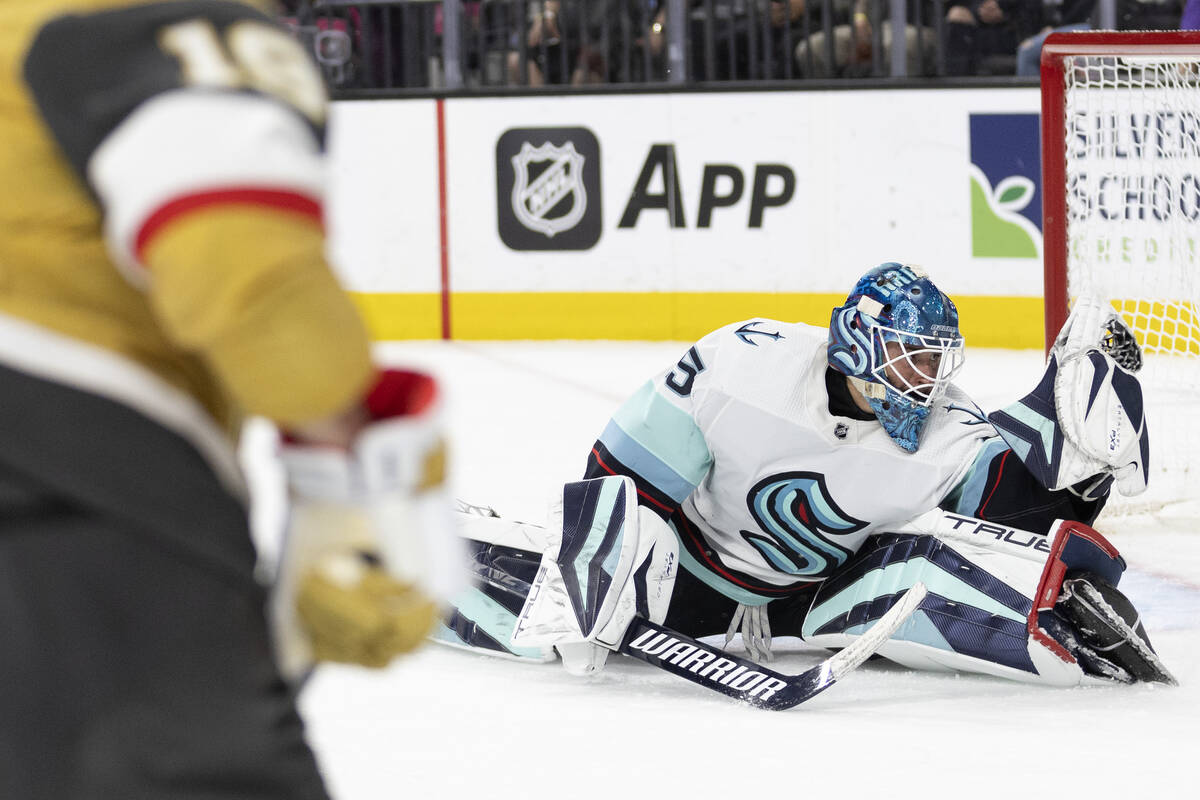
(1121, 216)
(1058, 54)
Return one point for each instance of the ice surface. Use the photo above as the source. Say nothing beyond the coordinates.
(449, 724)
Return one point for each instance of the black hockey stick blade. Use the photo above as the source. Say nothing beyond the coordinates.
(752, 683)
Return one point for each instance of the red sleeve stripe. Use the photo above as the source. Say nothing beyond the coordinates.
(644, 495)
(264, 198)
(983, 508)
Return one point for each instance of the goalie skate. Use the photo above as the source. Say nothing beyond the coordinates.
(1114, 646)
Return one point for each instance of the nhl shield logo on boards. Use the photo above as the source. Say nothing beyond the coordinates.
(557, 186)
(548, 188)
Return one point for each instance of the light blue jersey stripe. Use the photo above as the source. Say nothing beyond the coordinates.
(662, 433)
(970, 489)
(1045, 428)
(647, 466)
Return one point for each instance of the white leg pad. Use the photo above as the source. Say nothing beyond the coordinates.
(979, 615)
(607, 561)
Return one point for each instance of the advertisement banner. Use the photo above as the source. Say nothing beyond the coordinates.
(661, 216)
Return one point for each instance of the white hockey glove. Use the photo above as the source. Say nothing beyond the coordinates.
(1098, 400)
(607, 561)
(369, 549)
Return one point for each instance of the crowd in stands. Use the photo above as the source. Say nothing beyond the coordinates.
(531, 43)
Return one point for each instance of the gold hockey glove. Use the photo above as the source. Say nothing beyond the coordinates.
(354, 612)
(370, 551)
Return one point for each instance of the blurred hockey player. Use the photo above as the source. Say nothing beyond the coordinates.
(787, 478)
(161, 277)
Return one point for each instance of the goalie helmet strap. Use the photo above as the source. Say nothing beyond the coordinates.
(841, 402)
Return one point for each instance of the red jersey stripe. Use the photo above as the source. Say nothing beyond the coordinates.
(640, 492)
(266, 198)
(995, 486)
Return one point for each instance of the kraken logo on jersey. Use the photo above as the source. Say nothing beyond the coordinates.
(794, 510)
(977, 417)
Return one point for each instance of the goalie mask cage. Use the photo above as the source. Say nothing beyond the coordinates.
(1121, 218)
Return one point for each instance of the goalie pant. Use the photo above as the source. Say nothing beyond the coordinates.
(991, 608)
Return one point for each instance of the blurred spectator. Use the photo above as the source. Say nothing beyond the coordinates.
(787, 26)
(854, 44)
(741, 39)
(982, 35)
(636, 41)
(1191, 17)
(1058, 16)
(1190, 20)
(334, 37)
(1147, 15)
(563, 44)
(1082, 15)
(575, 42)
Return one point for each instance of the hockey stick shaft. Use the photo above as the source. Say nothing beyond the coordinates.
(748, 681)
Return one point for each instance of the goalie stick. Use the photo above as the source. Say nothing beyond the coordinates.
(729, 674)
(752, 683)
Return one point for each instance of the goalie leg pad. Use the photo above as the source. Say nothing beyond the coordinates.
(482, 617)
(973, 619)
(611, 562)
(1001, 601)
(503, 557)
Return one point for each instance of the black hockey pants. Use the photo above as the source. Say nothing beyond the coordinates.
(135, 660)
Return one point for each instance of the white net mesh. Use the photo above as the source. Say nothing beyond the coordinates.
(1133, 218)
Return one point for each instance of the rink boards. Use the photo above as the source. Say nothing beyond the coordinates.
(662, 216)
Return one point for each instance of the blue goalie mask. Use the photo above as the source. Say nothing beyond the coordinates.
(896, 338)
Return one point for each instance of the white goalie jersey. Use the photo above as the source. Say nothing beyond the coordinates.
(768, 490)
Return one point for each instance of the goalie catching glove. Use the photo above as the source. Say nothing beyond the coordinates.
(1084, 426)
(369, 550)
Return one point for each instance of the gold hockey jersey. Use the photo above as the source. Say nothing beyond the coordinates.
(162, 172)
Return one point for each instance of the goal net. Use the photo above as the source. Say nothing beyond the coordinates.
(1121, 182)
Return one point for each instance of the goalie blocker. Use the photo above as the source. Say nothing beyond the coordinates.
(1001, 601)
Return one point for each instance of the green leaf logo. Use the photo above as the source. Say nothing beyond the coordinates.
(1014, 193)
(997, 228)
